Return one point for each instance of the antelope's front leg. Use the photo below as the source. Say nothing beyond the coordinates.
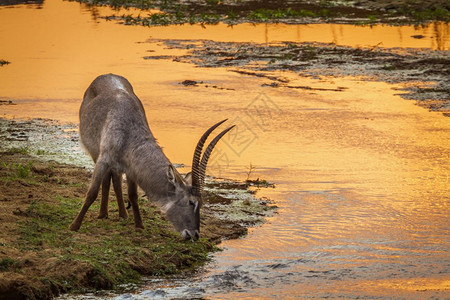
(103, 214)
(133, 197)
(117, 184)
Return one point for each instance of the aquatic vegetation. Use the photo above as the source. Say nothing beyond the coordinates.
(372, 18)
(267, 14)
(259, 183)
(316, 59)
(214, 11)
(6, 102)
(439, 13)
(250, 170)
(4, 62)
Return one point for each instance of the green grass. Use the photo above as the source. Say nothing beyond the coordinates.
(372, 18)
(39, 247)
(23, 171)
(270, 14)
(213, 11)
(169, 18)
(44, 152)
(9, 264)
(175, 13)
(440, 14)
(389, 67)
(113, 252)
(20, 150)
(212, 2)
(17, 170)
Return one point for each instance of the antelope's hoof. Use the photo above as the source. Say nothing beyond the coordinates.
(139, 228)
(102, 216)
(74, 227)
(123, 215)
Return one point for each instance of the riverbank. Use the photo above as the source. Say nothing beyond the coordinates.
(293, 12)
(40, 258)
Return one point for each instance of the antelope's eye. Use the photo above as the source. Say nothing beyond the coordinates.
(191, 203)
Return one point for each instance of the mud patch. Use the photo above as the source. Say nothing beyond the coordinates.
(233, 202)
(7, 102)
(424, 73)
(194, 83)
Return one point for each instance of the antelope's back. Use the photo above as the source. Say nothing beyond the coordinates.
(109, 110)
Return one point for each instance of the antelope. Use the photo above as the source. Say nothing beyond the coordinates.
(115, 132)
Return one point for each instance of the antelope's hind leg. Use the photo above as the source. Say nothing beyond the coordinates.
(100, 171)
(117, 184)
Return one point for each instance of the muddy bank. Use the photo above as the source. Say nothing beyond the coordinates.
(423, 73)
(294, 11)
(40, 258)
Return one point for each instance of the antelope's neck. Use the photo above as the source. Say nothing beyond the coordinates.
(147, 166)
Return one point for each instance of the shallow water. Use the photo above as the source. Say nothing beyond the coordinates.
(362, 176)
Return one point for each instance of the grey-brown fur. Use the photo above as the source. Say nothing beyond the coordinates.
(115, 132)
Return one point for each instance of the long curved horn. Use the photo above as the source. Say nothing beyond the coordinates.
(196, 178)
(207, 153)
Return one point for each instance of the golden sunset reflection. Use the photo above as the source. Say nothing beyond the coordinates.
(362, 176)
(434, 36)
(58, 61)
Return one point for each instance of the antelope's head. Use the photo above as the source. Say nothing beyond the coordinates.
(185, 193)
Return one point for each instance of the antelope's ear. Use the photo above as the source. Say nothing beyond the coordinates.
(174, 177)
(188, 178)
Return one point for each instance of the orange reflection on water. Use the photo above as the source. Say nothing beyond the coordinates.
(433, 36)
(362, 175)
(57, 50)
(374, 132)
(363, 182)
(410, 286)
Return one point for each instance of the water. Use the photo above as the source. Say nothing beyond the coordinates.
(362, 176)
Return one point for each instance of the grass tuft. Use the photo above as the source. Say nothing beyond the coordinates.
(8, 264)
(23, 171)
(20, 150)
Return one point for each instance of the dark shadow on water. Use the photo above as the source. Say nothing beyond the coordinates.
(35, 3)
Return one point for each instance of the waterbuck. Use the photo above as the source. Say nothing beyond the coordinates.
(115, 132)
